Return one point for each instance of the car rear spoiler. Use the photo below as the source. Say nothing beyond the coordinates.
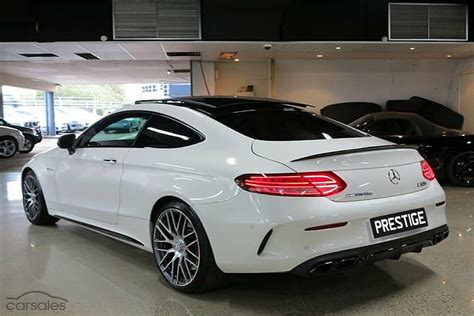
(356, 150)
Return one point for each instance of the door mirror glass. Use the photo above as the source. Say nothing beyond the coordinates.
(67, 142)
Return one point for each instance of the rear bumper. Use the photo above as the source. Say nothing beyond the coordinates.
(347, 259)
(238, 229)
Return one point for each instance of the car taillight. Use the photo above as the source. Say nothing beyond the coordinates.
(427, 171)
(324, 183)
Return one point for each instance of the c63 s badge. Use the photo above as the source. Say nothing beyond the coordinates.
(353, 195)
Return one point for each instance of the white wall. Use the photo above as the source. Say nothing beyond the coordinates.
(463, 92)
(231, 76)
(323, 82)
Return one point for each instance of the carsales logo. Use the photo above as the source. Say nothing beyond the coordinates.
(33, 301)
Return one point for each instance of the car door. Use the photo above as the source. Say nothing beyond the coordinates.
(88, 180)
(154, 165)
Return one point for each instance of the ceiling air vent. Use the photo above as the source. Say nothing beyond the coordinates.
(40, 55)
(157, 19)
(181, 71)
(183, 54)
(87, 56)
(427, 22)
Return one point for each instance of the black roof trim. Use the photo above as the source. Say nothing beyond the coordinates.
(221, 105)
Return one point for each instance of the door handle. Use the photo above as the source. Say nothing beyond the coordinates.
(110, 161)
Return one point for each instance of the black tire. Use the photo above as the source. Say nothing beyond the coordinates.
(33, 195)
(30, 142)
(12, 141)
(461, 169)
(207, 275)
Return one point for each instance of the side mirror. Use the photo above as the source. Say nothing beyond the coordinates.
(67, 142)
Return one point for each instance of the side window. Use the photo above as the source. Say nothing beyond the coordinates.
(2, 122)
(164, 132)
(392, 127)
(119, 131)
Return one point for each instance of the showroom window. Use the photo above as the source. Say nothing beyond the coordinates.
(393, 127)
(163, 132)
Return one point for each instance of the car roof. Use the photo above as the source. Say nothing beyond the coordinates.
(222, 105)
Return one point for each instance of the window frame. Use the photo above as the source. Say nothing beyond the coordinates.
(107, 120)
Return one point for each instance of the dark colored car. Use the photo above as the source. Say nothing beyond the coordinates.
(32, 136)
(450, 152)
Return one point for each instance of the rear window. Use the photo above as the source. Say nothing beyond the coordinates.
(285, 124)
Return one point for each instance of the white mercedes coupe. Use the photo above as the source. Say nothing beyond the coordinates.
(216, 185)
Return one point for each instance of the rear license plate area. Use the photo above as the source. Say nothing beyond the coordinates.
(398, 222)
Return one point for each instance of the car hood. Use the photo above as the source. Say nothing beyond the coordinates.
(22, 129)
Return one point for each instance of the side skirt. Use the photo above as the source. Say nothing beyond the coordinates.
(103, 231)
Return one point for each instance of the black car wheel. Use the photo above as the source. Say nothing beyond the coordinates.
(182, 251)
(461, 169)
(33, 201)
(29, 144)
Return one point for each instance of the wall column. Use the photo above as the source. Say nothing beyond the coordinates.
(51, 126)
(2, 113)
(202, 78)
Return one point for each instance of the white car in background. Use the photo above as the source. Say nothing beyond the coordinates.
(85, 118)
(64, 123)
(21, 116)
(11, 141)
(215, 185)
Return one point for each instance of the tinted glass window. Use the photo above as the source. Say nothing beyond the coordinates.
(119, 131)
(285, 125)
(2, 122)
(163, 132)
(392, 127)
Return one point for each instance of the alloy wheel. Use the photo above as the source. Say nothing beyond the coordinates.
(176, 246)
(464, 168)
(7, 148)
(28, 144)
(31, 197)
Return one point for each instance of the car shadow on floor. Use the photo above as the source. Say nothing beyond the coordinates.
(251, 293)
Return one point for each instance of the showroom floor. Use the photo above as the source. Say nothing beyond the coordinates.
(98, 275)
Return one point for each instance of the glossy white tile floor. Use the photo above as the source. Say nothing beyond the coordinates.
(100, 276)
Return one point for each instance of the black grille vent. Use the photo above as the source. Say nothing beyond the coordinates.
(87, 56)
(183, 54)
(156, 19)
(40, 55)
(430, 22)
(181, 71)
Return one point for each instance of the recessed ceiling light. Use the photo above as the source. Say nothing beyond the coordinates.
(319, 55)
(449, 56)
(168, 72)
(338, 47)
(412, 48)
(236, 59)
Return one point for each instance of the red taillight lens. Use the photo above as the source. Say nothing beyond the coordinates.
(293, 184)
(427, 171)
